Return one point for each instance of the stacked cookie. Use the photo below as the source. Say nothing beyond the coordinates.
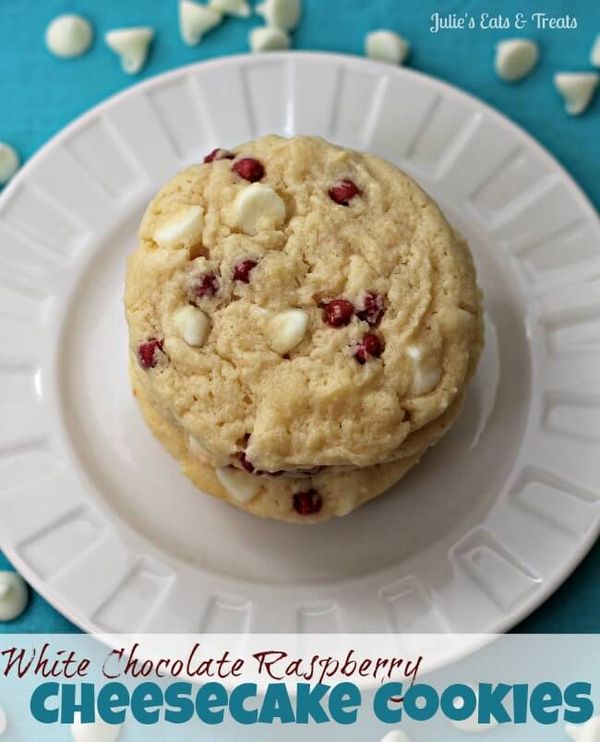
(303, 322)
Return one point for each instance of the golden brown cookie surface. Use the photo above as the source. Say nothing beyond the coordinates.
(302, 304)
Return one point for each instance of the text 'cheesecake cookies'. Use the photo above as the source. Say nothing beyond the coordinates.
(302, 322)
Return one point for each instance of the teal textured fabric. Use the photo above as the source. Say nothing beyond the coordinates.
(41, 94)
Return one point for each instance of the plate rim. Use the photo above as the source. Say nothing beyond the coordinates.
(511, 618)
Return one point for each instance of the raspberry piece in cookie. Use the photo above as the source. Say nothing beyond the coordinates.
(204, 285)
(373, 307)
(369, 347)
(307, 503)
(242, 270)
(338, 312)
(149, 353)
(343, 191)
(249, 169)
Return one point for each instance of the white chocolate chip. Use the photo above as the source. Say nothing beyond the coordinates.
(286, 329)
(184, 228)
(595, 52)
(516, 58)
(283, 14)
(241, 486)
(3, 721)
(9, 162)
(97, 731)
(268, 39)
(577, 89)
(386, 46)
(587, 732)
(196, 20)
(193, 325)
(69, 36)
(426, 374)
(395, 736)
(131, 45)
(13, 595)
(238, 8)
(259, 207)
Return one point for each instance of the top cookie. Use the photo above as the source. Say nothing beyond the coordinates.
(303, 303)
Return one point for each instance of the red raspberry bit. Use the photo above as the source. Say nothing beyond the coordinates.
(219, 154)
(149, 353)
(307, 503)
(343, 191)
(369, 347)
(338, 312)
(206, 284)
(372, 311)
(242, 270)
(246, 464)
(249, 169)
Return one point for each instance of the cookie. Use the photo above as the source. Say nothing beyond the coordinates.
(311, 497)
(299, 311)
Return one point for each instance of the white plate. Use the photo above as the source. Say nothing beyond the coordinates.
(97, 516)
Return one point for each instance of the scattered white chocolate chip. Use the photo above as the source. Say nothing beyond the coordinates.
(396, 736)
(577, 89)
(286, 329)
(240, 8)
(386, 46)
(13, 595)
(3, 721)
(268, 39)
(259, 207)
(69, 36)
(587, 732)
(241, 486)
(131, 45)
(196, 20)
(9, 162)
(283, 14)
(184, 228)
(193, 325)
(426, 375)
(97, 731)
(516, 58)
(595, 52)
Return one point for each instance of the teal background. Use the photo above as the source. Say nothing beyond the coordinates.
(41, 94)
